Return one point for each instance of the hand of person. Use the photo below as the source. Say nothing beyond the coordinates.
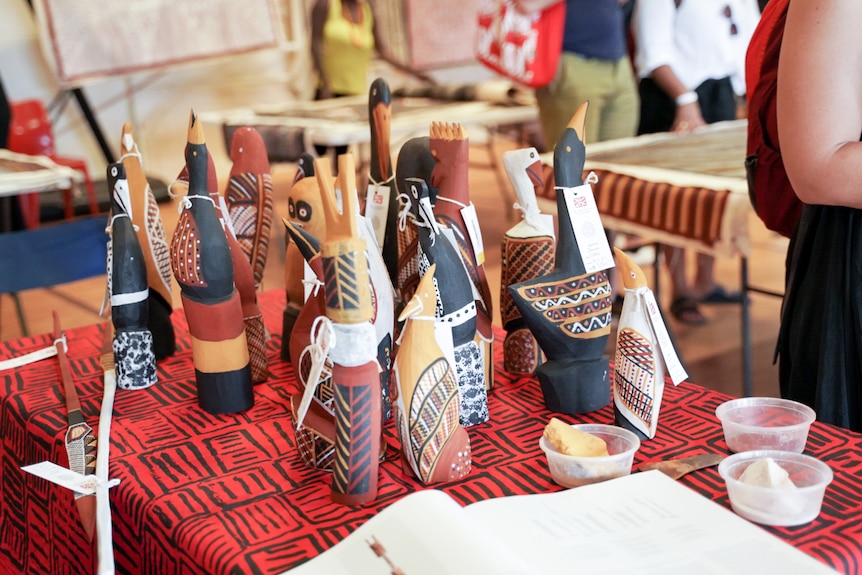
(688, 118)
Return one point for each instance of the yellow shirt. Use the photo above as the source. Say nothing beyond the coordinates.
(347, 50)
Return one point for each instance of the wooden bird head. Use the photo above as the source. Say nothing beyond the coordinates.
(305, 207)
(424, 301)
(415, 161)
(197, 156)
(525, 172)
(380, 121)
(248, 152)
(630, 273)
(450, 148)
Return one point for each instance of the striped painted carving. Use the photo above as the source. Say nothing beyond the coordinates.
(579, 306)
(249, 199)
(354, 449)
(434, 414)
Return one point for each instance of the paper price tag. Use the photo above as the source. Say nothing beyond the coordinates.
(309, 282)
(671, 360)
(587, 225)
(377, 210)
(548, 221)
(63, 476)
(475, 232)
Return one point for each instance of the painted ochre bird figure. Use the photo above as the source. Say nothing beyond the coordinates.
(450, 147)
(349, 307)
(381, 200)
(249, 197)
(202, 264)
(435, 447)
(456, 308)
(527, 252)
(569, 310)
(639, 372)
(128, 291)
(315, 436)
(304, 210)
(147, 221)
(414, 161)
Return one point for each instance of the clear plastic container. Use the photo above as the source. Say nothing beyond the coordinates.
(775, 505)
(574, 471)
(752, 423)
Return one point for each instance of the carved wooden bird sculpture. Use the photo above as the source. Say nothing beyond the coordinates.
(450, 147)
(128, 291)
(527, 252)
(305, 211)
(414, 161)
(382, 301)
(381, 200)
(434, 445)
(249, 197)
(349, 307)
(315, 435)
(569, 310)
(147, 221)
(638, 366)
(202, 264)
(456, 307)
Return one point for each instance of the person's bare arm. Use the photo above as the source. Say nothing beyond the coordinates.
(319, 14)
(819, 101)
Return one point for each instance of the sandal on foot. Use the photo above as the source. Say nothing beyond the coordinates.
(685, 310)
(720, 295)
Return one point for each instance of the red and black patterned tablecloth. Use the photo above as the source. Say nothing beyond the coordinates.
(228, 494)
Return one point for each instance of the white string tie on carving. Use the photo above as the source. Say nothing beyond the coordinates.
(404, 212)
(186, 202)
(315, 284)
(62, 339)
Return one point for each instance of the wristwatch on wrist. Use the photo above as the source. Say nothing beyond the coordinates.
(686, 98)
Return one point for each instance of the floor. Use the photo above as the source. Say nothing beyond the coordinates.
(711, 353)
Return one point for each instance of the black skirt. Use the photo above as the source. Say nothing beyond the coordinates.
(820, 339)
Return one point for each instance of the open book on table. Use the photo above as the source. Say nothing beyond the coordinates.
(643, 523)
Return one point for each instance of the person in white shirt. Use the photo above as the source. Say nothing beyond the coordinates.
(690, 58)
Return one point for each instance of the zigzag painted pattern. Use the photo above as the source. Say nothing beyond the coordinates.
(523, 259)
(256, 338)
(408, 262)
(634, 373)
(249, 199)
(341, 289)
(159, 248)
(579, 306)
(434, 416)
(353, 444)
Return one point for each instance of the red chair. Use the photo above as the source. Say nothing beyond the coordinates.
(31, 132)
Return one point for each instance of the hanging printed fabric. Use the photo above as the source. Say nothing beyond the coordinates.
(523, 47)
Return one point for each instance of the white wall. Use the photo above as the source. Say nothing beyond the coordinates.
(158, 103)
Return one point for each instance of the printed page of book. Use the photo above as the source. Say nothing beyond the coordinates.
(426, 533)
(644, 523)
